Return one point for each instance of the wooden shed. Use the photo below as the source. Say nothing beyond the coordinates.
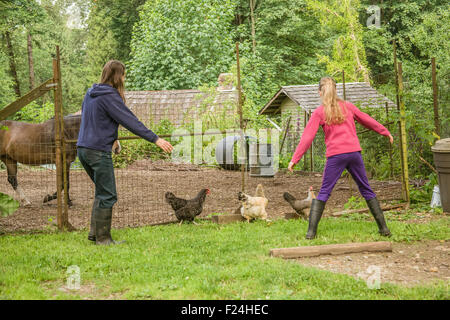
(298, 102)
(175, 105)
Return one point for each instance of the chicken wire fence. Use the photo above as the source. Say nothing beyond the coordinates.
(142, 184)
(141, 187)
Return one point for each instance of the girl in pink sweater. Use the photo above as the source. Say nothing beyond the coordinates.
(336, 117)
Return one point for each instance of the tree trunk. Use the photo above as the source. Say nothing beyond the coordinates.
(30, 60)
(12, 63)
(252, 17)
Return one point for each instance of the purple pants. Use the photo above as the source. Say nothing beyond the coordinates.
(334, 167)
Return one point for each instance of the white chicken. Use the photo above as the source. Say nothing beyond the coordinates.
(254, 207)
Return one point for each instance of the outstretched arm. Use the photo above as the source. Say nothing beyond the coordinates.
(122, 115)
(307, 138)
(369, 122)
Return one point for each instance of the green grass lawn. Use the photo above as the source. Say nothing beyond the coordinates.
(205, 261)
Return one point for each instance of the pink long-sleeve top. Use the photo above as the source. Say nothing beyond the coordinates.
(339, 138)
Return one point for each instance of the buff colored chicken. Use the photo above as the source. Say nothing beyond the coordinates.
(254, 207)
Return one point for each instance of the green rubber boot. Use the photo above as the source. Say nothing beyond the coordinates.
(315, 213)
(103, 219)
(377, 213)
(91, 235)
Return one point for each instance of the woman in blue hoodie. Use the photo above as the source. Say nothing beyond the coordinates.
(103, 109)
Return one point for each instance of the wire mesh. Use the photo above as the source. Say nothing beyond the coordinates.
(142, 184)
(33, 185)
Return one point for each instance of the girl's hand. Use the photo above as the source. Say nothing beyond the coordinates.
(164, 145)
(291, 166)
(391, 139)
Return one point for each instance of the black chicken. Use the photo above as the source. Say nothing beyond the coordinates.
(187, 210)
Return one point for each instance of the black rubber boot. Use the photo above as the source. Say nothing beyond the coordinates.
(377, 213)
(103, 219)
(315, 213)
(91, 235)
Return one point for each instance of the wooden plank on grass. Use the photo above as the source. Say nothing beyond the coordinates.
(228, 218)
(334, 249)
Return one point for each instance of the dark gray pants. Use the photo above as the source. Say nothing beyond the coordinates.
(99, 167)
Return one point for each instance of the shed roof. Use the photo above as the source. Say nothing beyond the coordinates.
(307, 97)
(153, 106)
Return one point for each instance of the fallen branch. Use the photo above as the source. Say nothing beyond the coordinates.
(427, 163)
(334, 249)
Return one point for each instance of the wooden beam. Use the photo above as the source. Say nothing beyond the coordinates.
(435, 97)
(403, 143)
(32, 95)
(334, 249)
(242, 148)
(58, 151)
(286, 130)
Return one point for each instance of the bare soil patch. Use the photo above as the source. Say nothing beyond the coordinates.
(408, 264)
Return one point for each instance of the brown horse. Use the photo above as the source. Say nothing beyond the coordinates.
(34, 144)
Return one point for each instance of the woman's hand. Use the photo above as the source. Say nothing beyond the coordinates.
(391, 139)
(116, 148)
(164, 145)
(291, 166)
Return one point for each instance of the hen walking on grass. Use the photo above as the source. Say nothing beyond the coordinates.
(187, 210)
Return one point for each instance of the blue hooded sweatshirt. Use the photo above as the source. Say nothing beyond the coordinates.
(102, 111)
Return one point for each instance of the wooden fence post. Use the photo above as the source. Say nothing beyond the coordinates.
(349, 178)
(391, 165)
(311, 156)
(304, 126)
(403, 134)
(437, 124)
(58, 155)
(241, 120)
(65, 172)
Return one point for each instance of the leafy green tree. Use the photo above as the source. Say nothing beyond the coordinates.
(110, 27)
(348, 49)
(181, 44)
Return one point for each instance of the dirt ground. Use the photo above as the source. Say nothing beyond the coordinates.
(141, 188)
(407, 264)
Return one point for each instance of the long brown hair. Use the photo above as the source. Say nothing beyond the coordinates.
(112, 74)
(333, 113)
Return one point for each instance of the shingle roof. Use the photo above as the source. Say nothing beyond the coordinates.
(307, 97)
(153, 106)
